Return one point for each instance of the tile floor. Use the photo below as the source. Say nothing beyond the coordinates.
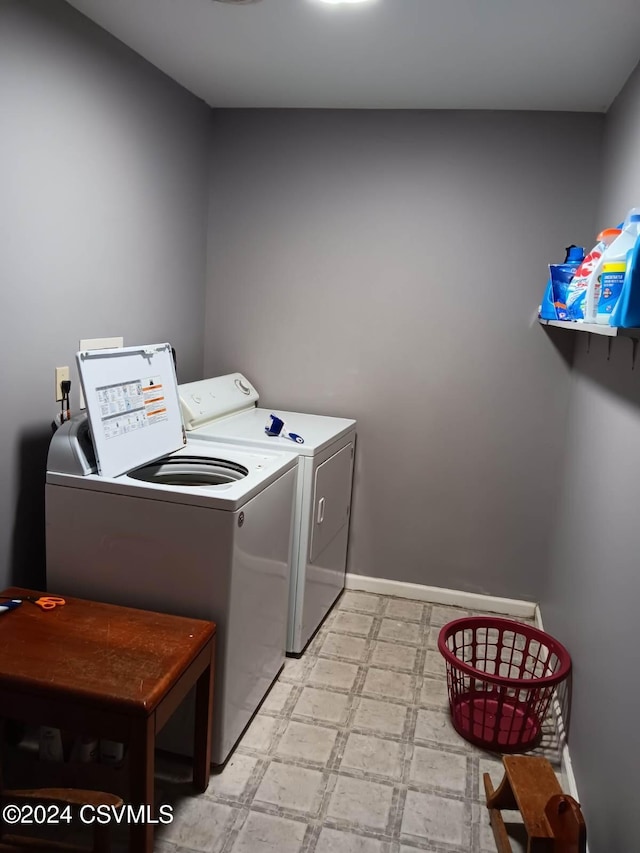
(352, 751)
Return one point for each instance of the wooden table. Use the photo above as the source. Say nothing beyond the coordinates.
(110, 672)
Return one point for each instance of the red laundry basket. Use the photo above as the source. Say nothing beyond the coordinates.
(501, 676)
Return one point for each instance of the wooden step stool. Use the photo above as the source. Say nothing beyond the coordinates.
(553, 820)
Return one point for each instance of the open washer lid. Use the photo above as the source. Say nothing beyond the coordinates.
(132, 405)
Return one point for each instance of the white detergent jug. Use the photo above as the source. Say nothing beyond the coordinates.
(588, 275)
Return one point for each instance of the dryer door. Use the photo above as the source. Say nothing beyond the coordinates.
(331, 499)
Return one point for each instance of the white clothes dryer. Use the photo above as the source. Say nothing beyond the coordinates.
(195, 529)
(225, 409)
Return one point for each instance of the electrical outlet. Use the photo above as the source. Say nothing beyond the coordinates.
(62, 375)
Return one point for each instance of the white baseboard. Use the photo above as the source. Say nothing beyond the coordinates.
(439, 595)
(567, 766)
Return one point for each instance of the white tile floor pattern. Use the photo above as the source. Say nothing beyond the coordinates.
(351, 752)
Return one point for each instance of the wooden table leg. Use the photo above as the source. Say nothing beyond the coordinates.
(203, 727)
(502, 798)
(141, 776)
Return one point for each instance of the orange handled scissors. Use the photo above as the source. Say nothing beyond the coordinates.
(46, 602)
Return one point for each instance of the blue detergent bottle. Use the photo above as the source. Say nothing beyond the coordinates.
(626, 314)
(619, 252)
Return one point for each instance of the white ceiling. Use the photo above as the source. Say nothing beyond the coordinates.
(387, 54)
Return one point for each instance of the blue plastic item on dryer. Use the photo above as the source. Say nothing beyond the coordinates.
(626, 314)
(277, 427)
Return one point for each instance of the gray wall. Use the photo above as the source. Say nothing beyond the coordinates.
(591, 602)
(102, 231)
(387, 266)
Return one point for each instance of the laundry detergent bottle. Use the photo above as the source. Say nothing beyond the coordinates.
(554, 301)
(626, 314)
(587, 278)
(613, 267)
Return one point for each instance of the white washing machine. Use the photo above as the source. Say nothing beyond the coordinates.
(137, 516)
(225, 409)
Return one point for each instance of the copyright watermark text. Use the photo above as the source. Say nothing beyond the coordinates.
(53, 813)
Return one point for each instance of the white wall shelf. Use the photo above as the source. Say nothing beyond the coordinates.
(610, 332)
(592, 328)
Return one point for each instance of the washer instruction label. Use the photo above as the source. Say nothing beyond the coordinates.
(131, 405)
